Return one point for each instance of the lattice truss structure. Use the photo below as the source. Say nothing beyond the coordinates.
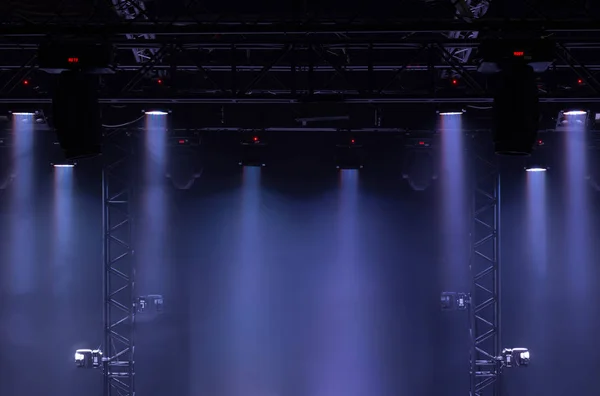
(119, 271)
(484, 310)
(135, 10)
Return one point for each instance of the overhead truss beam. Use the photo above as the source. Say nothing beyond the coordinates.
(281, 27)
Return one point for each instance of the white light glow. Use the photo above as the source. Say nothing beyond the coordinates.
(156, 112)
(449, 113)
(64, 165)
(78, 356)
(525, 355)
(575, 112)
(536, 169)
(23, 113)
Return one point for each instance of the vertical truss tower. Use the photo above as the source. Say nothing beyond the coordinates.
(119, 270)
(484, 321)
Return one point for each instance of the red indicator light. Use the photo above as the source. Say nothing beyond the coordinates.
(454, 81)
(352, 141)
(518, 53)
(255, 138)
(580, 81)
(159, 81)
(73, 60)
(421, 143)
(181, 141)
(25, 82)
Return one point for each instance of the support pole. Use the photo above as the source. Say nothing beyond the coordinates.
(119, 271)
(484, 312)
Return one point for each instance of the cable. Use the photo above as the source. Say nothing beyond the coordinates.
(124, 124)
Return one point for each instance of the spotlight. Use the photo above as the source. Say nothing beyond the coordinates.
(515, 357)
(253, 150)
(572, 117)
(153, 303)
(64, 165)
(349, 154)
(536, 168)
(451, 301)
(156, 112)
(88, 358)
(451, 112)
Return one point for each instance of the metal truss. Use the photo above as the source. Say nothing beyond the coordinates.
(466, 10)
(119, 271)
(135, 10)
(484, 264)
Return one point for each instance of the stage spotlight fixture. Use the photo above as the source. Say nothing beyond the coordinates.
(349, 154)
(72, 165)
(88, 358)
(572, 117)
(156, 112)
(36, 116)
(451, 112)
(152, 303)
(253, 150)
(536, 168)
(451, 301)
(515, 357)
(77, 115)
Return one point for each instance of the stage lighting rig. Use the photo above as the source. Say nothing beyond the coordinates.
(156, 112)
(349, 154)
(253, 150)
(88, 358)
(451, 301)
(450, 111)
(514, 357)
(28, 116)
(572, 118)
(152, 303)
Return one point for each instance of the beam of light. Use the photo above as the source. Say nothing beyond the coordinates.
(63, 165)
(23, 223)
(63, 232)
(536, 169)
(579, 262)
(454, 204)
(156, 113)
(154, 231)
(250, 352)
(451, 113)
(24, 114)
(537, 224)
(346, 360)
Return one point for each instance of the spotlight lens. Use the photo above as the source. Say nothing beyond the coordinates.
(536, 169)
(450, 113)
(575, 112)
(156, 112)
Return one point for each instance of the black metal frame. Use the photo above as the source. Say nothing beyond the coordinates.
(287, 60)
(119, 270)
(484, 311)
